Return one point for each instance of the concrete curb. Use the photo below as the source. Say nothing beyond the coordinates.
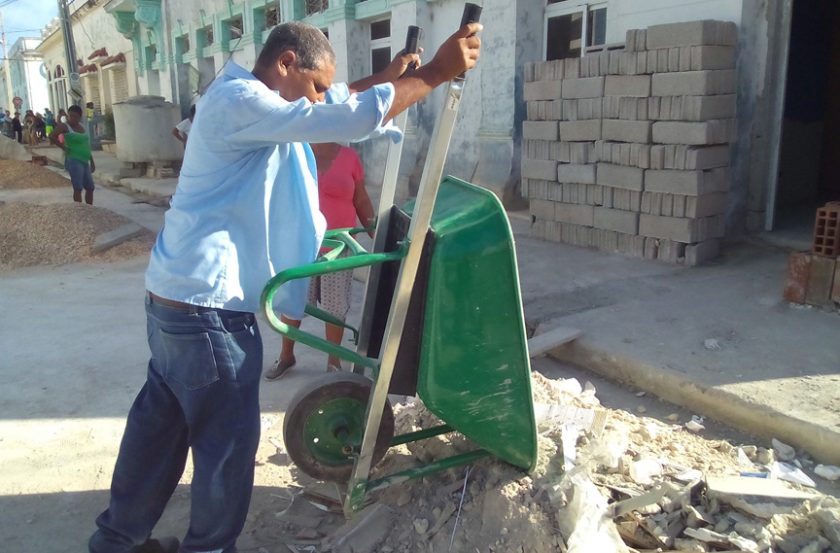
(724, 406)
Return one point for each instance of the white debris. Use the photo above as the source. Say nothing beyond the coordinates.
(695, 424)
(783, 451)
(784, 471)
(643, 471)
(829, 472)
(711, 344)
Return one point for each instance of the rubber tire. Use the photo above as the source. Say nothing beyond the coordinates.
(309, 399)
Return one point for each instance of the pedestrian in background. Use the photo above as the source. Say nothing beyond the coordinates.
(17, 127)
(343, 199)
(78, 158)
(181, 131)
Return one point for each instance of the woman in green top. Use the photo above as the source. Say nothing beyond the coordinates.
(78, 159)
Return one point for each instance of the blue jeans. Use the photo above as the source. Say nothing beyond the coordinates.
(201, 392)
(80, 176)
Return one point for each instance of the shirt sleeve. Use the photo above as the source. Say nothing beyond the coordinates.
(358, 116)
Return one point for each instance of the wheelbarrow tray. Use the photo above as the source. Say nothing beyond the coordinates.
(474, 370)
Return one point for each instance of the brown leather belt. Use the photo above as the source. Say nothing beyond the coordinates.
(179, 305)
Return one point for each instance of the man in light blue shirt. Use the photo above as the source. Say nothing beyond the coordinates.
(245, 208)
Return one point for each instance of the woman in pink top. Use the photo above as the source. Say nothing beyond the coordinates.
(343, 200)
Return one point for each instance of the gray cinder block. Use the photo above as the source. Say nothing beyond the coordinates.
(617, 176)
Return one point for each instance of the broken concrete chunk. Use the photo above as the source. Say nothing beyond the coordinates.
(829, 472)
(829, 520)
(365, 531)
(783, 451)
(743, 543)
(707, 536)
(760, 497)
(421, 525)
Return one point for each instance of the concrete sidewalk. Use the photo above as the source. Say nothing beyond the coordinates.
(111, 172)
(716, 339)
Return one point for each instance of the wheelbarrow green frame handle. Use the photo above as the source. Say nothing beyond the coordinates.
(339, 241)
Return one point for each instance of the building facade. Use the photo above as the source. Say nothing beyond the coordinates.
(26, 79)
(105, 60)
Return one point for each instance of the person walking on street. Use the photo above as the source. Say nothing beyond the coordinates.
(17, 127)
(343, 199)
(245, 208)
(78, 158)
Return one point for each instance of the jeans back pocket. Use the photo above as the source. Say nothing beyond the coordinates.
(188, 359)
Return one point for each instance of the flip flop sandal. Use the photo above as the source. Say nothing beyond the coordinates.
(279, 368)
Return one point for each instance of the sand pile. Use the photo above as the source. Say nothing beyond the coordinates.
(61, 233)
(22, 174)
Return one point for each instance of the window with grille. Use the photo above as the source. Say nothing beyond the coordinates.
(380, 45)
(208, 36)
(272, 15)
(316, 6)
(234, 28)
(572, 26)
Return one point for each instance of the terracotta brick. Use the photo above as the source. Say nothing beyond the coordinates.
(799, 272)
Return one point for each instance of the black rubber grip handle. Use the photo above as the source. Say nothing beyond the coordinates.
(472, 13)
(412, 39)
(412, 44)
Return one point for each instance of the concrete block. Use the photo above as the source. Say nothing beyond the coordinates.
(592, 87)
(539, 169)
(627, 85)
(697, 254)
(629, 178)
(576, 214)
(579, 131)
(542, 90)
(669, 251)
(706, 205)
(542, 209)
(582, 174)
(626, 131)
(696, 134)
(616, 220)
(681, 229)
(686, 183)
(692, 33)
(581, 152)
(693, 83)
(571, 68)
(820, 280)
(693, 108)
(707, 158)
(625, 200)
(615, 59)
(561, 151)
(711, 57)
(121, 234)
(539, 130)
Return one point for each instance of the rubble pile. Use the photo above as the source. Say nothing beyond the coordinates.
(605, 481)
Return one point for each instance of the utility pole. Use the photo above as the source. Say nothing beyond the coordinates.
(70, 50)
(6, 66)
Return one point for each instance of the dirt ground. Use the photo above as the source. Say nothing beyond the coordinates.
(69, 384)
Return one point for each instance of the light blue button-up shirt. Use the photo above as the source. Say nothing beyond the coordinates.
(246, 204)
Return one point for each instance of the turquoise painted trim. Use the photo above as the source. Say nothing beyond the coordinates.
(212, 50)
(189, 57)
(372, 8)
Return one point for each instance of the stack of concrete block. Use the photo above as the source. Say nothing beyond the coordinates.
(628, 150)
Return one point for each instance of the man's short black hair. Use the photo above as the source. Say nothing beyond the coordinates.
(308, 42)
(75, 109)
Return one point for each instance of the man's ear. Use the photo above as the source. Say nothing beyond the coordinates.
(285, 61)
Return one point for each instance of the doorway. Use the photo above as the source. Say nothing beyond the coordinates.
(809, 151)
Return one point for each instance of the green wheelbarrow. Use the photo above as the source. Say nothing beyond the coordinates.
(463, 350)
(442, 319)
